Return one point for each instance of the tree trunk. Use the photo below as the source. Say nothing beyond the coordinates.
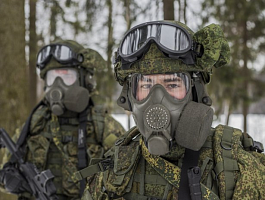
(32, 55)
(110, 81)
(13, 71)
(53, 27)
(13, 80)
(245, 76)
(227, 110)
(185, 11)
(127, 4)
(168, 9)
(179, 14)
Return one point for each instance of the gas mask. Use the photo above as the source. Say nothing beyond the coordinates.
(163, 111)
(63, 91)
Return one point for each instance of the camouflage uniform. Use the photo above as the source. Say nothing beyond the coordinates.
(137, 174)
(52, 141)
(53, 146)
(230, 166)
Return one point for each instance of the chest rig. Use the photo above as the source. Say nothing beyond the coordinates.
(65, 145)
(136, 174)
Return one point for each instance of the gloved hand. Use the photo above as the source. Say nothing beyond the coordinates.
(14, 182)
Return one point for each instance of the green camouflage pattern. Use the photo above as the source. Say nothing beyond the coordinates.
(47, 151)
(218, 151)
(207, 194)
(166, 169)
(216, 48)
(216, 53)
(249, 179)
(92, 59)
(127, 157)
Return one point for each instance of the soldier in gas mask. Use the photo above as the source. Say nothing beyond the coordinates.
(173, 153)
(66, 129)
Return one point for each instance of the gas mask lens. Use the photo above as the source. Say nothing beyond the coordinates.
(69, 76)
(176, 84)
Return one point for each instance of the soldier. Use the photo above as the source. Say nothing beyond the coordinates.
(64, 120)
(173, 153)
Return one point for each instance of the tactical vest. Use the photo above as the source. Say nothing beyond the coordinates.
(53, 145)
(136, 174)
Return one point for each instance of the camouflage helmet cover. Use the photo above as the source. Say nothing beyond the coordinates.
(216, 53)
(92, 59)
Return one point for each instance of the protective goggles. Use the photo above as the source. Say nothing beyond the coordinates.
(62, 53)
(69, 76)
(176, 84)
(172, 39)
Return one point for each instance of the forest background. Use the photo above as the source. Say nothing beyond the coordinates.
(27, 25)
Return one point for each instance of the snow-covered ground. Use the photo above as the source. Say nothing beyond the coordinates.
(256, 124)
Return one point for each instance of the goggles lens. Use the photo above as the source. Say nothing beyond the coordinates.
(173, 38)
(176, 84)
(43, 54)
(60, 52)
(69, 76)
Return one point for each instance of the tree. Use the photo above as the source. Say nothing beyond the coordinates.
(168, 9)
(32, 55)
(243, 23)
(13, 76)
(13, 80)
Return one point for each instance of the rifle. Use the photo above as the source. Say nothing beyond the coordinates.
(40, 182)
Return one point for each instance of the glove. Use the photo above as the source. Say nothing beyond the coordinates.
(14, 182)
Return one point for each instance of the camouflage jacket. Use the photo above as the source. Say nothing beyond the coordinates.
(52, 144)
(229, 170)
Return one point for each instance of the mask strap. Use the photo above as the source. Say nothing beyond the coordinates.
(82, 77)
(201, 95)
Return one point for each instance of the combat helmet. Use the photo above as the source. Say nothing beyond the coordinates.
(68, 53)
(154, 53)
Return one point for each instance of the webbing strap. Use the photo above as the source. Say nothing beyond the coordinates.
(82, 155)
(86, 172)
(190, 160)
(98, 165)
(69, 138)
(229, 165)
(142, 177)
(150, 179)
(26, 128)
(99, 121)
(64, 120)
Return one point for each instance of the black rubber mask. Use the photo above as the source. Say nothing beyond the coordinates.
(62, 97)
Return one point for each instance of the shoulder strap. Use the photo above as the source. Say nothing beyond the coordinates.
(98, 116)
(26, 127)
(225, 139)
(189, 186)
(82, 147)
